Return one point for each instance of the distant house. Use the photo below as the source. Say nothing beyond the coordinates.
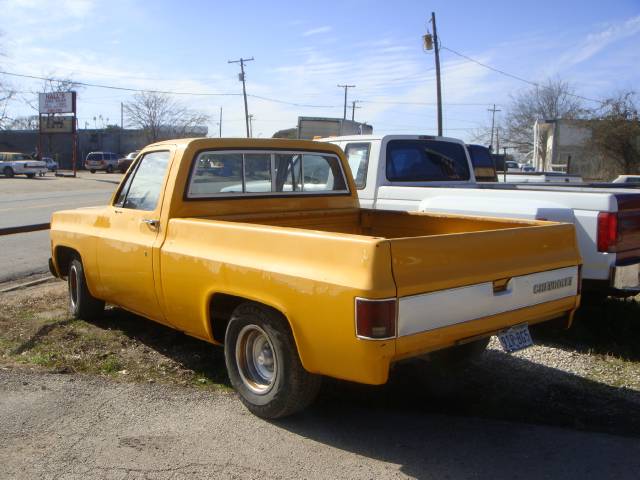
(566, 146)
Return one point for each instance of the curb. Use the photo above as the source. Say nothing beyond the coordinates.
(24, 229)
(27, 284)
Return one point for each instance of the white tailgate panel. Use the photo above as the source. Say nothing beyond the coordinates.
(428, 311)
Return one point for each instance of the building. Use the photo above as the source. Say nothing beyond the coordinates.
(566, 146)
(60, 146)
(318, 127)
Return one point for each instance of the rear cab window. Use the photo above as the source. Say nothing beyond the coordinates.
(418, 160)
(216, 174)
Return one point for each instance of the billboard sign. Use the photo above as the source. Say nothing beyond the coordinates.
(52, 124)
(56, 102)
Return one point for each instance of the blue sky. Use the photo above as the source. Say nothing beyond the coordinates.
(304, 49)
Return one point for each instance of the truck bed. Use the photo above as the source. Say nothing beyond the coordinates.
(378, 223)
(453, 250)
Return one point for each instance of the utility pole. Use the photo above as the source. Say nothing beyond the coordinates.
(436, 46)
(346, 87)
(353, 110)
(493, 122)
(250, 125)
(220, 123)
(244, 88)
(121, 115)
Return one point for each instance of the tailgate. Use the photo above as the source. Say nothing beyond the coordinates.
(464, 276)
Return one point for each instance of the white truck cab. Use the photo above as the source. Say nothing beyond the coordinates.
(434, 174)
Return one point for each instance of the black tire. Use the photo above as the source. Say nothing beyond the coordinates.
(8, 172)
(92, 170)
(31, 175)
(82, 305)
(290, 388)
(461, 354)
(109, 169)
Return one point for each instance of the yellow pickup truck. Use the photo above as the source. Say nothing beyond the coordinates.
(260, 246)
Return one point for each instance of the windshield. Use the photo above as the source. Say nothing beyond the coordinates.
(426, 161)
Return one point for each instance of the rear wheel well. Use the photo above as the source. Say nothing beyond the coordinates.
(222, 305)
(64, 255)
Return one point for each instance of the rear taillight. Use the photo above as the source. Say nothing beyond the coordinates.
(376, 319)
(607, 231)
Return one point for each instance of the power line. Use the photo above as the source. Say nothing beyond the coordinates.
(425, 103)
(166, 92)
(515, 77)
(112, 87)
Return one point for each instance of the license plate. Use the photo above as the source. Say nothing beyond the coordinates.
(515, 338)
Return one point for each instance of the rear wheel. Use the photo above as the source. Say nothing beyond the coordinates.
(81, 303)
(31, 175)
(263, 363)
(8, 172)
(93, 170)
(109, 169)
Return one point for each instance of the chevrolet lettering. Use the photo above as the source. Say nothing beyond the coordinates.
(552, 285)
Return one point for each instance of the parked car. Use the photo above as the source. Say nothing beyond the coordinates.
(52, 165)
(627, 179)
(512, 166)
(107, 161)
(298, 282)
(125, 163)
(528, 168)
(12, 163)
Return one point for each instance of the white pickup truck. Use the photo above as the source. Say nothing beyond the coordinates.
(434, 174)
(12, 164)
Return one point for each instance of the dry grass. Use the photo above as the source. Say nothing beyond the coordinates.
(36, 331)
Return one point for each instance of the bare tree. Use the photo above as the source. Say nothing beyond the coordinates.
(162, 117)
(550, 101)
(23, 123)
(615, 134)
(7, 93)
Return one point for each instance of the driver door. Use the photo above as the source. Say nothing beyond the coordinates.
(125, 248)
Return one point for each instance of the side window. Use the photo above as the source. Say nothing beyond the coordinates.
(142, 188)
(358, 157)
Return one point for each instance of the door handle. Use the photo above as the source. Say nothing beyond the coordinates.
(152, 223)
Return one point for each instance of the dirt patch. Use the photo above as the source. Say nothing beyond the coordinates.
(36, 331)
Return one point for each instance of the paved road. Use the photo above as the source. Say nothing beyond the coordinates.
(27, 201)
(72, 426)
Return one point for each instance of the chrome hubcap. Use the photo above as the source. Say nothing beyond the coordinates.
(73, 287)
(256, 360)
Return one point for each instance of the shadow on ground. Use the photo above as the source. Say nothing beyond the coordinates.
(203, 358)
(608, 327)
(496, 386)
